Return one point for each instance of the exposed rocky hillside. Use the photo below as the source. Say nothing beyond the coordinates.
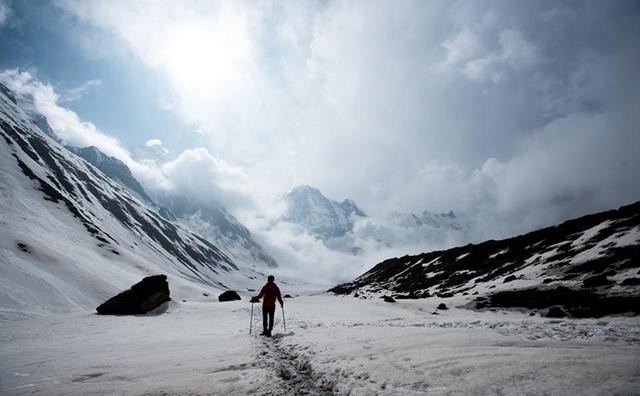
(112, 167)
(587, 266)
(207, 219)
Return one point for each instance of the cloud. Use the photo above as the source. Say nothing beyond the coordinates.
(573, 163)
(198, 174)
(64, 122)
(301, 256)
(516, 115)
(194, 172)
(153, 143)
(513, 53)
(5, 12)
(481, 51)
(78, 92)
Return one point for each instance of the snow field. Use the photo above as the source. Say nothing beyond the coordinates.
(338, 345)
(380, 348)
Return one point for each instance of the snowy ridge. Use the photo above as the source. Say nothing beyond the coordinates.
(72, 236)
(220, 227)
(427, 219)
(112, 167)
(208, 220)
(592, 260)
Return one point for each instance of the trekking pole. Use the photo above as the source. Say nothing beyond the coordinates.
(284, 322)
(251, 321)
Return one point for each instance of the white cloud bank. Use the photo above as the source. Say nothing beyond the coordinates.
(195, 172)
(439, 105)
(516, 115)
(65, 123)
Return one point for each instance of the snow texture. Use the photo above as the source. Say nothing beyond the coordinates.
(332, 345)
(315, 213)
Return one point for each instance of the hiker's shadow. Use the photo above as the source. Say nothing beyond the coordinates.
(282, 335)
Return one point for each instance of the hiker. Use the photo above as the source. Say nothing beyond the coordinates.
(270, 292)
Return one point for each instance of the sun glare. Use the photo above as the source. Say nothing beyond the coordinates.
(208, 58)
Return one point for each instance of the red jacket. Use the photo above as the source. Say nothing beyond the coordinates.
(270, 292)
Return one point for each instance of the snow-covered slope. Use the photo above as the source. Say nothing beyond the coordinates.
(112, 167)
(208, 220)
(320, 216)
(589, 266)
(332, 346)
(72, 237)
(220, 227)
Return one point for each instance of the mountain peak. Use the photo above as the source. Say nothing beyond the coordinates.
(305, 189)
(319, 215)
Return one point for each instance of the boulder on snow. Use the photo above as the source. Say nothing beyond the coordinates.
(442, 306)
(510, 278)
(388, 299)
(556, 312)
(287, 296)
(144, 296)
(229, 295)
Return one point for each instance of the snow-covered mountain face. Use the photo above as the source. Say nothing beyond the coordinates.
(208, 220)
(344, 227)
(320, 216)
(220, 227)
(588, 265)
(112, 167)
(72, 236)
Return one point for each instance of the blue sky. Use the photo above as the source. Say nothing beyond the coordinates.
(43, 39)
(517, 114)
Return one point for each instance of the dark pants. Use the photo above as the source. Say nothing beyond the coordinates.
(268, 312)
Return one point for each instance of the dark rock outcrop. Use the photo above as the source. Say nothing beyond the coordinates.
(229, 295)
(597, 280)
(442, 306)
(287, 296)
(143, 297)
(556, 312)
(486, 264)
(510, 278)
(577, 303)
(388, 299)
(112, 167)
(631, 282)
